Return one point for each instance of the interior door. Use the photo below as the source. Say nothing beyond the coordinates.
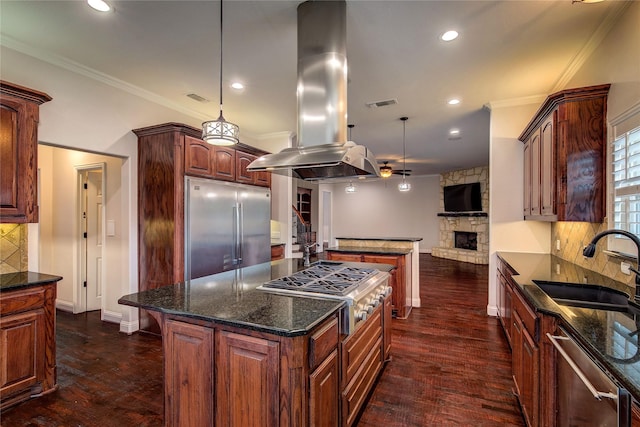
(93, 235)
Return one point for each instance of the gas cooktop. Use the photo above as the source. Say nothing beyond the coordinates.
(324, 278)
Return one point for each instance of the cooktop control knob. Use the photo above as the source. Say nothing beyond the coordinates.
(374, 301)
(361, 316)
(369, 308)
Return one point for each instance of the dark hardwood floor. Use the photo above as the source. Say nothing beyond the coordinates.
(450, 366)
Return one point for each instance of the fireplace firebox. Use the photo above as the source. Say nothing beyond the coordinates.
(466, 240)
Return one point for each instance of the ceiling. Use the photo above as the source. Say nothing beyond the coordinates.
(507, 51)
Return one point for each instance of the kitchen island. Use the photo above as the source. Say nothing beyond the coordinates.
(401, 252)
(27, 333)
(237, 355)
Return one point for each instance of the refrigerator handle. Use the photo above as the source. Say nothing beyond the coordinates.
(234, 243)
(240, 237)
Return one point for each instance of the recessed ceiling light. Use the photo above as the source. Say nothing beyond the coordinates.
(453, 101)
(454, 132)
(99, 5)
(449, 35)
(237, 85)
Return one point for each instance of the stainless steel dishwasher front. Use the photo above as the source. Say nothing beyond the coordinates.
(585, 395)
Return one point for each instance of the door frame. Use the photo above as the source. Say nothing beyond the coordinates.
(79, 300)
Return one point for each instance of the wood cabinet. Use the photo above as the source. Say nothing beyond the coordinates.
(533, 366)
(362, 359)
(227, 376)
(166, 153)
(247, 380)
(565, 157)
(399, 280)
(28, 350)
(277, 252)
(19, 116)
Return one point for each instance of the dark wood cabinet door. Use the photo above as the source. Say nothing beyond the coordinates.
(224, 163)
(263, 178)
(527, 179)
(22, 361)
(534, 147)
(386, 328)
(547, 166)
(243, 160)
(248, 371)
(324, 393)
(529, 394)
(198, 157)
(189, 371)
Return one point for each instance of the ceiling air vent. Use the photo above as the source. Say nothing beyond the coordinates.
(196, 97)
(384, 103)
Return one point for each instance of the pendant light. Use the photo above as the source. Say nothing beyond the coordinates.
(220, 131)
(350, 189)
(404, 185)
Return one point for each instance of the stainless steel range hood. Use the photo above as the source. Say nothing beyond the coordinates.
(323, 151)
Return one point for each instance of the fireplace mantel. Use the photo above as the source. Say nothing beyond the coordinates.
(463, 214)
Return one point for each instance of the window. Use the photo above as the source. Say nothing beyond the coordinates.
(625, 168)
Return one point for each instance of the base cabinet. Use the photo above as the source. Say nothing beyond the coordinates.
(224, 376)
(28, 350)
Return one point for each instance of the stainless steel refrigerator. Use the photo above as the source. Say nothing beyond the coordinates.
(227, 226)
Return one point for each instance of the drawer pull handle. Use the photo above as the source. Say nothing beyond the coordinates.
(597, 394)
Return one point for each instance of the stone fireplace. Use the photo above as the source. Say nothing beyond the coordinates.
(464, 236)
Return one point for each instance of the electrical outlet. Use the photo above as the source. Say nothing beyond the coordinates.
(557, 268)
(625, 267)
(557, 244)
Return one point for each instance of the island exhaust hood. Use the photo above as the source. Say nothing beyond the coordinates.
(323, 151)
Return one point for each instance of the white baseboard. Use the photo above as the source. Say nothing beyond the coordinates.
(492, 310)
(111, 316)
(415, 302)
(129, 327)
(63, 305)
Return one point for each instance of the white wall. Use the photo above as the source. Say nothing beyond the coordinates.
(378, 209)
(507, 229)
(59, 225)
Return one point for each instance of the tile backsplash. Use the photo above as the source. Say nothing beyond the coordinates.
(574, 236)
(13, 248)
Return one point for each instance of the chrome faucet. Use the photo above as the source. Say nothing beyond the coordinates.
(590, 250)
(307, 253)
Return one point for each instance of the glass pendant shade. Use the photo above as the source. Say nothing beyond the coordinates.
(404, 186)
(350, 188)
(220, 132)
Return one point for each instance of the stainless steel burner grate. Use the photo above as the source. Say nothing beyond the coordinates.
(331, 279)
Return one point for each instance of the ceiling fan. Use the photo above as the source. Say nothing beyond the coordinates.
(386, 171)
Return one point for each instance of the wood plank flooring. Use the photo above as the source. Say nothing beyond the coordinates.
(450, 367)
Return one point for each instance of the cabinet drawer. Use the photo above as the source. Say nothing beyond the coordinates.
(323, 342)
(355, 394)
(356, 348)
(382, 259)
(344, 257)
(528, 316)
(17, 301)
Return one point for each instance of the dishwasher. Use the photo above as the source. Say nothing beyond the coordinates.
(585, 395)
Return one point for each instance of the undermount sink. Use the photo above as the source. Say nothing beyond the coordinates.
(589, 296)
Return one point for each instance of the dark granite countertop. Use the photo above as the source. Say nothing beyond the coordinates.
(384, 239)
(231, 298)
(370, 250)
(24, 279)
(610, 337)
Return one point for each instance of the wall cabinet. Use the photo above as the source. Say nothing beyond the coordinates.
(565, 157)
(226, 376)
(400, 276)
(28, 350)
(166, 153)
(19, 116)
